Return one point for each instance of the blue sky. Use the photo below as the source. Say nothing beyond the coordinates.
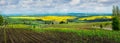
(57, 6)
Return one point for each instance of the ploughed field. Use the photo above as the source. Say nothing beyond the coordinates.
(10, 35)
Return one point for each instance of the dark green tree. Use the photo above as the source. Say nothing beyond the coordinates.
(115, 23)
(101, 26)
(1, 20)
(62, 22)
(115, 19)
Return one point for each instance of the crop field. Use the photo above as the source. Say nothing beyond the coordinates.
(59, 21)
(69, 25)
(47, 18)
(25, 29)
(95, 17)
(61, 18)
(19, 35)
(77, 26)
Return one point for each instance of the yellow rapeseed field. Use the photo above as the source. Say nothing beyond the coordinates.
(95, 17)
(32, 18)
(48, 18)
(57, 18)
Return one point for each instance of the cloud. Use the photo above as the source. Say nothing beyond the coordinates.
(53, 6)
(74, 2)
(3, 2)
(103, 0)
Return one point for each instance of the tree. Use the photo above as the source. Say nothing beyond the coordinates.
(115, 23)
(1, 20)
(115, 19)
(101, 26)
(61, 22)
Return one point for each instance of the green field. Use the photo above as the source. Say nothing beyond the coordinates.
(33, 30)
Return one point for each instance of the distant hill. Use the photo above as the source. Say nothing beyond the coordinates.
(62, 14)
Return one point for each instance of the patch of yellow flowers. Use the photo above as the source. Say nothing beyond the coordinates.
(57, 18)
(32, 18)
(48, 18)
(95, 17)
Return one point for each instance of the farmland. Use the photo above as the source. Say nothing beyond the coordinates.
(95, 17)
(74, 23)
(59, 21)
(47, 18)
(12, 35)
(33, 31)
(63, 17)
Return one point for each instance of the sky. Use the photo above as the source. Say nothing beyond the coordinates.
(57, 6)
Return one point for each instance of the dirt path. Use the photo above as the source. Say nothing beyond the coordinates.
(103, 28)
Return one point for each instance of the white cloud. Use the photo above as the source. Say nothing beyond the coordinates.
(11, 6)
(74, 2)
(59, 6)
(100, 8)
(2, 2)
(103, 0)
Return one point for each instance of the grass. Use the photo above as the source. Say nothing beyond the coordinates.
(17, 26)
(70, 25)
